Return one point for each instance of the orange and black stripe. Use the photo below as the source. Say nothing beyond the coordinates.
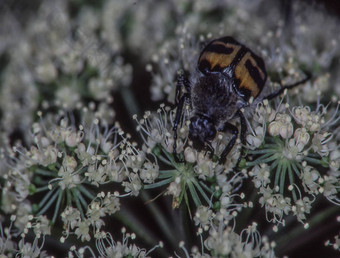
(228, 56)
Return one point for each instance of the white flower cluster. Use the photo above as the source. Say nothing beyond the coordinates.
(104, 204)
(8, 239)
(107, 247)
(289, 146)
(224, 241)
(64, 161)
(57, 61)
(197, 167)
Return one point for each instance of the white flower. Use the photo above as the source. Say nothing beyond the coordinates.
(174, 188)
(302, 207)
(261, 175)
(42, 226)
(27, 250)
(74, 138)
(256, 139)
(70, 163)
(68, 179)
(293, 150)
(205, 167)
(190, 155)
(70, 217)
(301, 136)
(310, 177)
(281, 126)
(85, 154)
(311, 121)
(134, 185)
(203, 216)
(111, 204)
(319, 143)
(82, 230)
(149, 172)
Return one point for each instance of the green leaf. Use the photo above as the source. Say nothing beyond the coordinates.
(158, 184)
(199, 188)
(194, 194)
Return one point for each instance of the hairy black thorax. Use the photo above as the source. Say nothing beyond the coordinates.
(215, 96)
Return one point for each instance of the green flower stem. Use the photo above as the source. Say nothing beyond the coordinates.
(57, 207)
(264, 159)
(277, 174)
(313, 161)
(264, 151)
(291, 182)
(44, 172)
(274, 164)
(194, 194)
(165, 161)
(314, 155)
(47, 197)
(201, 191)
(178, 166)
(206, 187)
(167, 173)
(170, 157)
(87, 193)
(48, 204)
(276, 143)
(297, 168)
(76, 200)
(186, 203)
(283, 177)
(269, 159)
(41, 189)
(79, 196)
(158, 184)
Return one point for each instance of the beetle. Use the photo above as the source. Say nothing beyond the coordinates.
(227, 77)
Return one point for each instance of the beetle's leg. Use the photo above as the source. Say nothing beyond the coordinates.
(244, 129)
(179, 86)
(244, 126)
(279, 91)
(210, 149)
(182, 81)
(233, 129)
(178, 119)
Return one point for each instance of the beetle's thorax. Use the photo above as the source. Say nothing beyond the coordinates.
(215, 96)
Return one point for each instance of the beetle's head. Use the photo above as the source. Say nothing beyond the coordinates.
(201, 130)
